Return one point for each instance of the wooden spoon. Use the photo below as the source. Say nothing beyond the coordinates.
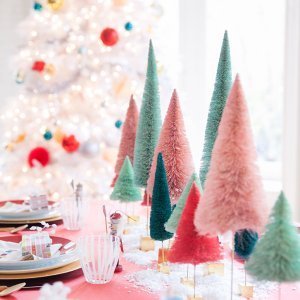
(12, 289)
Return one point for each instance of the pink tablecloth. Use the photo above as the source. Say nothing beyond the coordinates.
(119, 288)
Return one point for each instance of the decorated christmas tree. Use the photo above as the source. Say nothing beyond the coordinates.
(276, 257)
(126, 147)
(217, 104)
(173, 221)
(189, 247)
(244, 243)
(149, 123)
(233, 196)
(78, 63)
(174, 146)
(125, 189)
(161, 205)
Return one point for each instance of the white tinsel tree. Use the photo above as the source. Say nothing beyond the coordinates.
(77, 65)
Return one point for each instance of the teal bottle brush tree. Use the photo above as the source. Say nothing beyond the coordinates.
(161, 205)
(221, 90)
(149, 124)
(276, 257)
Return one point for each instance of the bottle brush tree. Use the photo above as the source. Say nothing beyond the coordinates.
(125, 189)
(276, 257)
(161, 204)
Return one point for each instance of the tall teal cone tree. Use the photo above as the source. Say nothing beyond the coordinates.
(222, 87)
(276, 256)
(149, 124)
(172, 224)
(161, 203)
(125, 190)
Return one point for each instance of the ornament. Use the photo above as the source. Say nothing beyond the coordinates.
(70, 144)
(118, 123)
(48, 135)
(20, 138)
(49, 69)
(37, 6)
(90, 148)
(38, 66)
(40, 155)
(58, 135)
(10, 147)
(128, 26)
(20, 77)
(82, 50)
(55, 5)
(109, 36)
(110, 155)
(119, 2)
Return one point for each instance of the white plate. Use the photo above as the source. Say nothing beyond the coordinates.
(25, 215)
(63, 263)
(21, 267)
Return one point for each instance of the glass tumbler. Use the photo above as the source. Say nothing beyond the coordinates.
(72, 211)
(99, 255)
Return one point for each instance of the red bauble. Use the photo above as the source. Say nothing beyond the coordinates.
(70, 144)
(38, 154)
(109, 36)
(38, 66)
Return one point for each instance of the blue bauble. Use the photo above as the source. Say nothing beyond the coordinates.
(48, 135)
(128, 26)
(118, 123)
(37, 6)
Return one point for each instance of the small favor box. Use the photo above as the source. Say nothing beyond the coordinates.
(37, 244)
(147, 244)
(163, 268)
(162, 255)
(187, 281)
(38, 202)
(246, 291)
(133, 219)
(214, 268)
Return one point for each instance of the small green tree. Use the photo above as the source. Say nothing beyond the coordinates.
(161, 203)
(149, 124)
(125, 189)
(276, 257)
(172, 224)
(221, 90)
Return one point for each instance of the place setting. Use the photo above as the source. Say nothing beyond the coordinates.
(33, 210)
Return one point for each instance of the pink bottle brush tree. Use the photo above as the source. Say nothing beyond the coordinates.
(127, 142)
(233, 196)
(174, 146)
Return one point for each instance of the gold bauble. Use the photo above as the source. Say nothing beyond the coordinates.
(58, 135)
(49, 69)
(121, 87)
(55, 5)
(20, 138)
(119, 2)
(110, 155)
(10, 147)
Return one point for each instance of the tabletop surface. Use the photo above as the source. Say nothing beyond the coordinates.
(119, 287)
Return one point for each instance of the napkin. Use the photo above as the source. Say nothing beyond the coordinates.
(10, 251)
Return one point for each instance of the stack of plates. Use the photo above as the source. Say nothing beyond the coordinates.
(63, 263)
(29, 217)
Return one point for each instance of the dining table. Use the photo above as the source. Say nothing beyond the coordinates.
(119, 288)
